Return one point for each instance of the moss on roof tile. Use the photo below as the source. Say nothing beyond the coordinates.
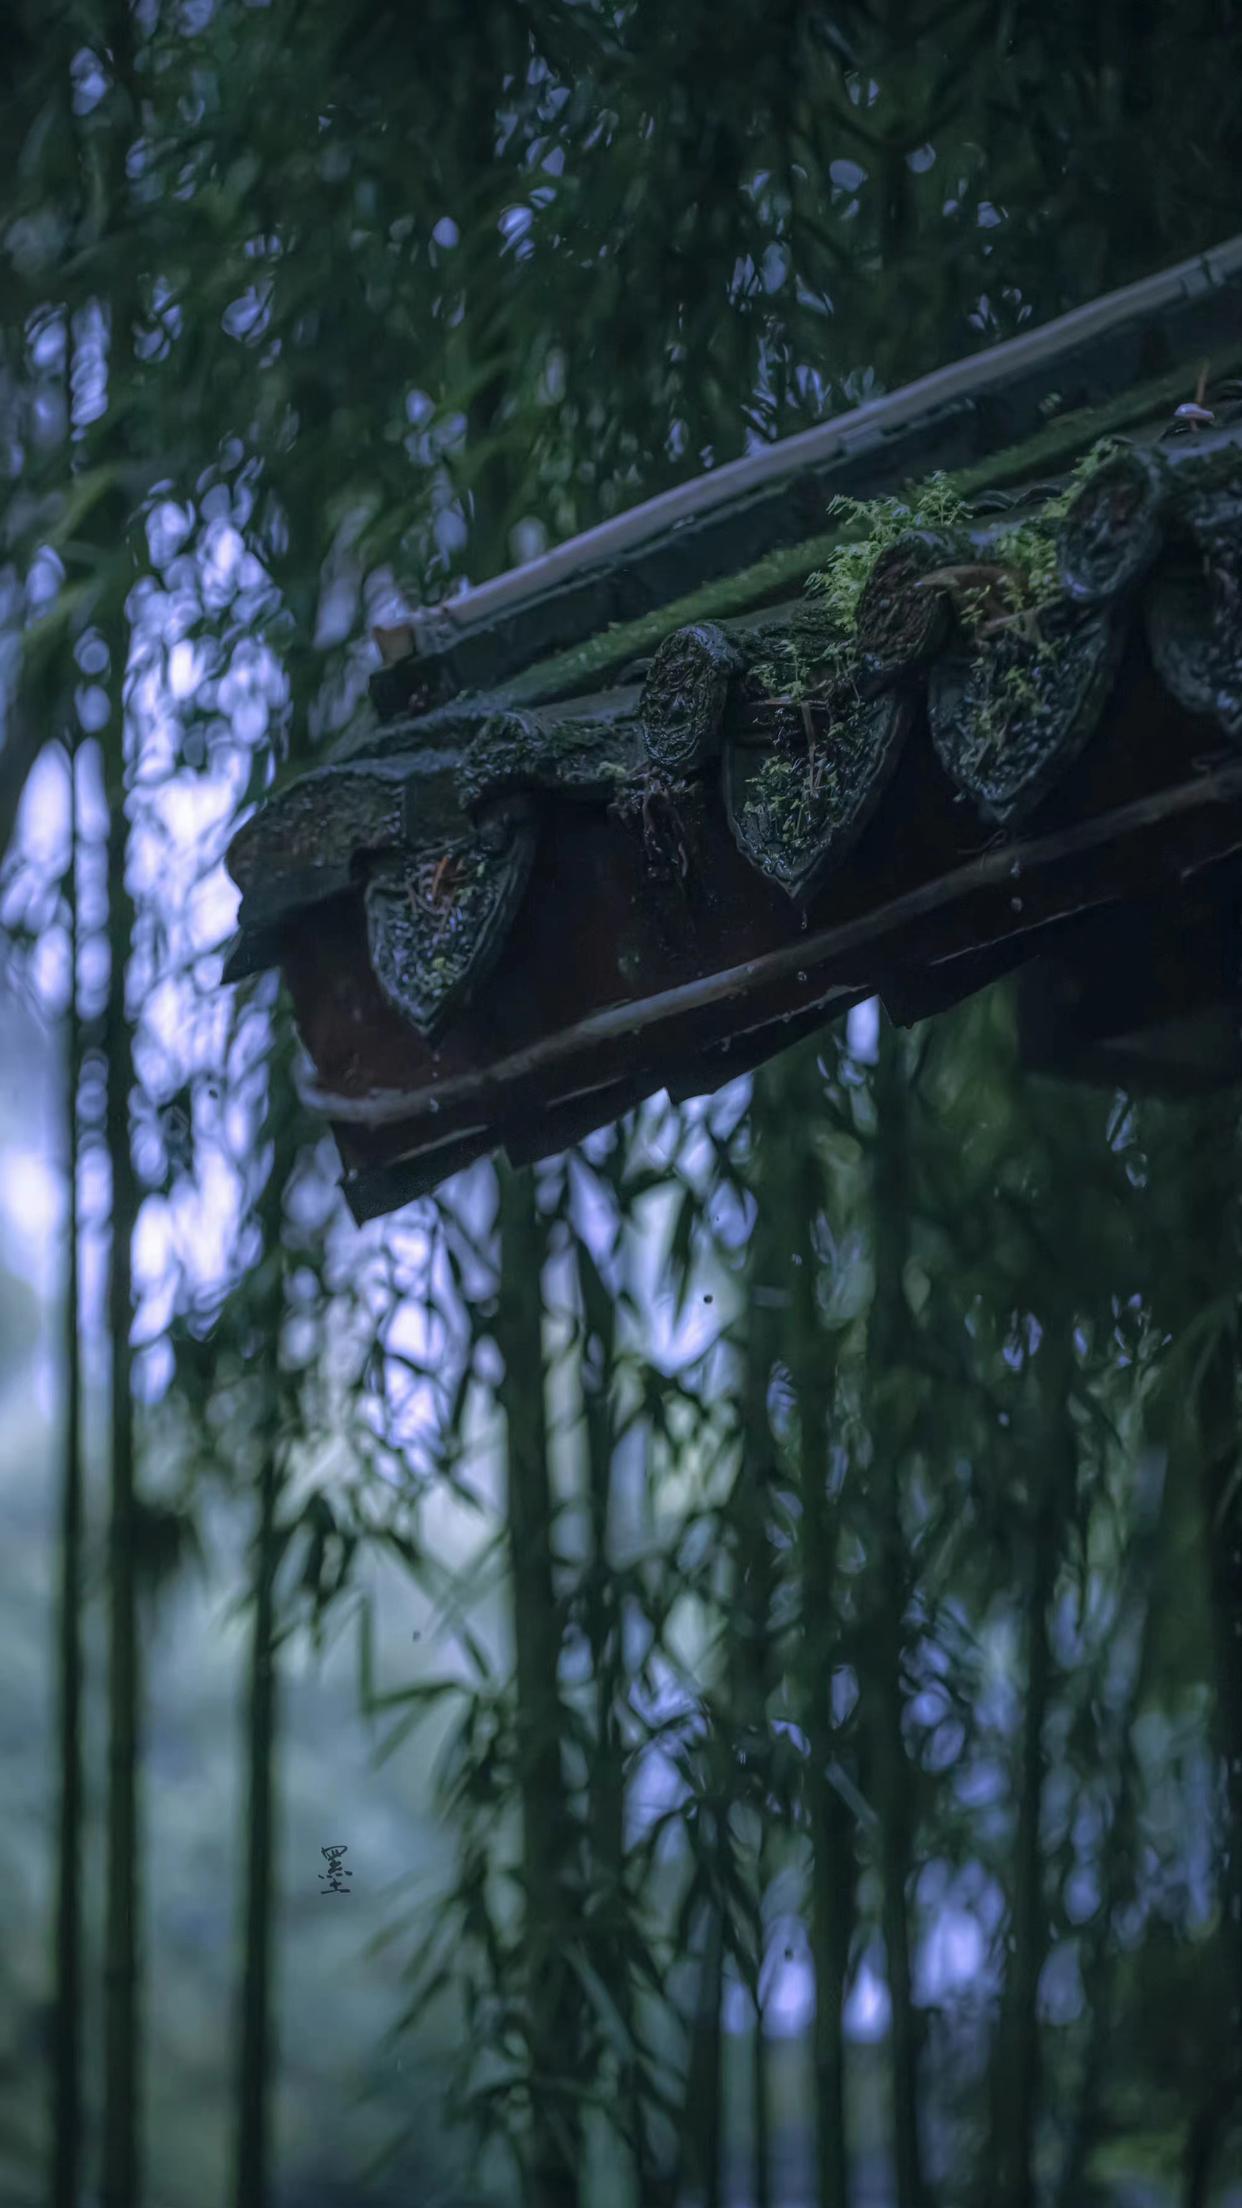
(1064, 440)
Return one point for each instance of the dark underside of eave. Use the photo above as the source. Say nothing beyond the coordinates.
(934, 908)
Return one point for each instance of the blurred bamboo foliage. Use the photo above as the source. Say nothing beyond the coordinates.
(822, 1508)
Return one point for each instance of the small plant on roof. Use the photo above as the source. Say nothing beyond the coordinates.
(1015, 693)
(785, 790)
(791, 676)
(840, 584)
(1023, 565)
(1003, 581)
(798, 672)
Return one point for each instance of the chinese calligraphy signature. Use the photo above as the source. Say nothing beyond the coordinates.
(333, 1879)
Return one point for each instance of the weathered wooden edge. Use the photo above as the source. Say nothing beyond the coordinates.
(1030, 888)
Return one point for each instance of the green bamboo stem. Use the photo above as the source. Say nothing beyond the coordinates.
(552, 2171)
(1052, 1470)
(761, 2077)
(703, 2127)
(256, 2037)
(1223, 1527)
(832, 1852)
(606, 1787)
(832, 1873)
(255, 2045)
(1020, 2073)
(66, 2030)
(104, 183)
(121, 2114)
(1118, 1869)
(616, 1927)
(886, 1340)
(768, 1266)
(1211, 1223)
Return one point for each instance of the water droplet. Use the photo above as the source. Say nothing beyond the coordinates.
(433, 1103)
(1015, 904)
(802, 973)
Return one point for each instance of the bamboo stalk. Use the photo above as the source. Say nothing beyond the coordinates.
(66, 2030)
(1118, 1868)
(122, 2021)
(767, 1266)
(1223, 1526)
(255, 2044)
(704, 2105)
(607, 1786)
(1020, 2073)
(885, 1354)
(105, 182)
(1212, 1227)
(551, 2173)
(256, 2039)
(832, 1855)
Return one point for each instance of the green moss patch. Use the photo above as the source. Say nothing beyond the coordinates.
(1061, 442)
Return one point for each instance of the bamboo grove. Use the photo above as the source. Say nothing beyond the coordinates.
(831, 1722)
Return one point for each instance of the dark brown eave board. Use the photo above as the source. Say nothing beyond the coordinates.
(731, 518)
(1004, 902)
(1142, 997)
(373, 1189)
